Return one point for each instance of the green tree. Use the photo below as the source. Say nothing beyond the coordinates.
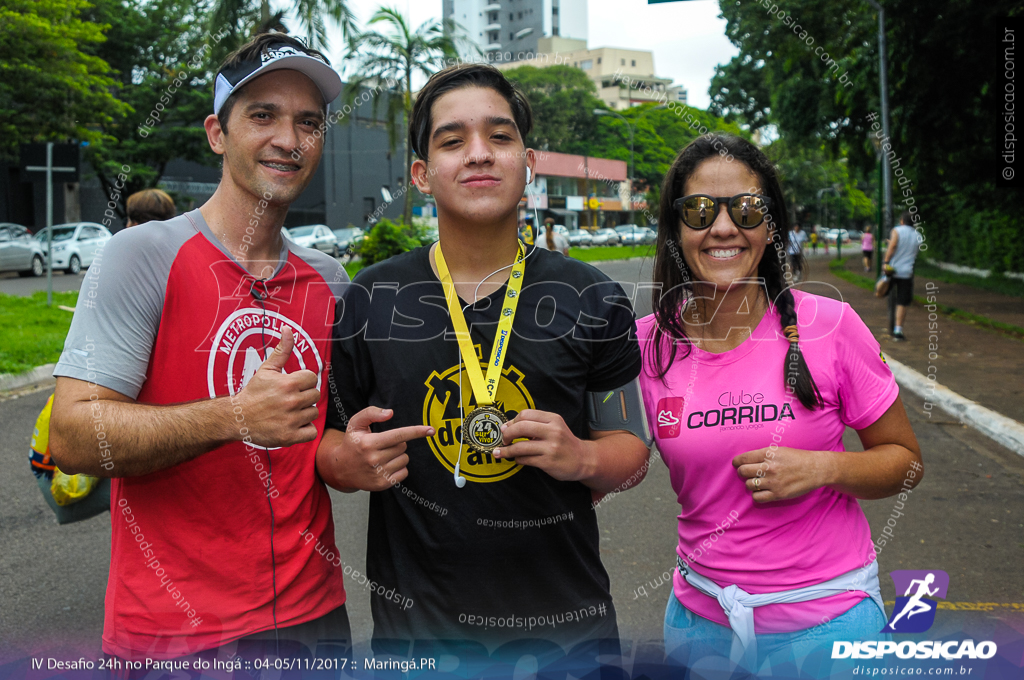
(388, 61)
(945, 97)
(160, 55)
(563, 99)
(245, 18)
(51, 87)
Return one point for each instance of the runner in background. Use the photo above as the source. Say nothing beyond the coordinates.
(867, 247)
(751, 400)
(900, 256)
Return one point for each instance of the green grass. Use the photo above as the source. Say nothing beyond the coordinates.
(996, 283)
(610, 253)
(32, 334)
(353, 268)
(838, 268)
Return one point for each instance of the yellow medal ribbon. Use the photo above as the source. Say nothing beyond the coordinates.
(484, 390)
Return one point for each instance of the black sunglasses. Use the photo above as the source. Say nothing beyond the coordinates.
(698, 211)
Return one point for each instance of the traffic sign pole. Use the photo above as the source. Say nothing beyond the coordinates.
(49, 169)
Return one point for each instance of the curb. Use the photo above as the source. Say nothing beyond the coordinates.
(999, 428)
(39, 374)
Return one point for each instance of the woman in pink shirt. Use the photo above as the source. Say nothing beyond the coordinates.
(867, 247)
(750, 385)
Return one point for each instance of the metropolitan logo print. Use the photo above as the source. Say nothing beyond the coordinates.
(238, 349)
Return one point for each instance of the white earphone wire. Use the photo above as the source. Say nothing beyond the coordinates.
(462, 415)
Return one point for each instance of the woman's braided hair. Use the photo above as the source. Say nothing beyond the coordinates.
(675, 276)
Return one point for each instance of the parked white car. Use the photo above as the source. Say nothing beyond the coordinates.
(605, 237)
(75, 244)
(634, 235)
(348, 236)
(318, 236)
(19, 252)
(580, 237)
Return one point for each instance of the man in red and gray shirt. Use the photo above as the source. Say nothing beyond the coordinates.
(193, 375)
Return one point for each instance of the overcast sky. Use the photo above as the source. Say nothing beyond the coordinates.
(687, 38)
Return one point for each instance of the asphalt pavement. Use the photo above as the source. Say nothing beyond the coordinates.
(966, 517)
(12, 284)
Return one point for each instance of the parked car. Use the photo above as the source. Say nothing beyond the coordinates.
(580, 237)
(833, 234)
(349, 236)
(19, 252)
(634, 235)
(75, 244)
(317, 236)
(605, 237)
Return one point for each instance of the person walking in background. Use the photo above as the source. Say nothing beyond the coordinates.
(904, 244)
(795, 250)
(149, 205)
(867, 247)
(553, 241)
(814, 241)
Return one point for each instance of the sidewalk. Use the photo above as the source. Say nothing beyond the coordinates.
(979, 364)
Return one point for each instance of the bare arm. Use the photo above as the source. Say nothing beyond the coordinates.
(604, 463)
(100, 432)
(893, 240)
(889, 464)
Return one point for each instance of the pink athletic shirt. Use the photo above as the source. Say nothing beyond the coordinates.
(867, 241)
(713, 407)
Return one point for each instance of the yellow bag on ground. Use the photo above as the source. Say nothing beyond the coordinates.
(68, 489)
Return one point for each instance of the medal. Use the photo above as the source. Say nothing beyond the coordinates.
(481, 429)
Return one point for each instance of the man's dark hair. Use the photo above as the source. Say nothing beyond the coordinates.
(905, 217)
(251, 51)
(453, 78)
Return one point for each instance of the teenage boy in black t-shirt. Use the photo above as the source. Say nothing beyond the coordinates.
(480, 538)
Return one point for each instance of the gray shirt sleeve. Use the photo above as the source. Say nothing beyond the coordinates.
(119, 307)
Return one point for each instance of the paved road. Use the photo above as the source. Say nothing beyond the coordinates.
(966, 518)
(12, 284)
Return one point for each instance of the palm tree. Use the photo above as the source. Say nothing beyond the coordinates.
(237, 14)
(393, 57)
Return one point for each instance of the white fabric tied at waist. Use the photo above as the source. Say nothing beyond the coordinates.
(738, 604)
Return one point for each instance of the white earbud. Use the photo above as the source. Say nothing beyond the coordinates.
(529, 175)
(460, 481)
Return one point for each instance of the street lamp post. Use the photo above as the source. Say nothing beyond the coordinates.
(603, 112)
(884, 84)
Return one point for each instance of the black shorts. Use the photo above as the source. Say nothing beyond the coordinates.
(904, 290)
(867, 253)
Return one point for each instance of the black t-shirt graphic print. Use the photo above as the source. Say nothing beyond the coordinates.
(514, 553)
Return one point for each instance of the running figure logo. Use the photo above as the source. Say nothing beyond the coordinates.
(915, 611)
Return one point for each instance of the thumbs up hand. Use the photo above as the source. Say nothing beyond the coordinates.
(279, 408)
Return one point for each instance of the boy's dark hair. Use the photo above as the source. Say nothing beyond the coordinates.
(251, 51)
(905, 217)
(453, 78)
